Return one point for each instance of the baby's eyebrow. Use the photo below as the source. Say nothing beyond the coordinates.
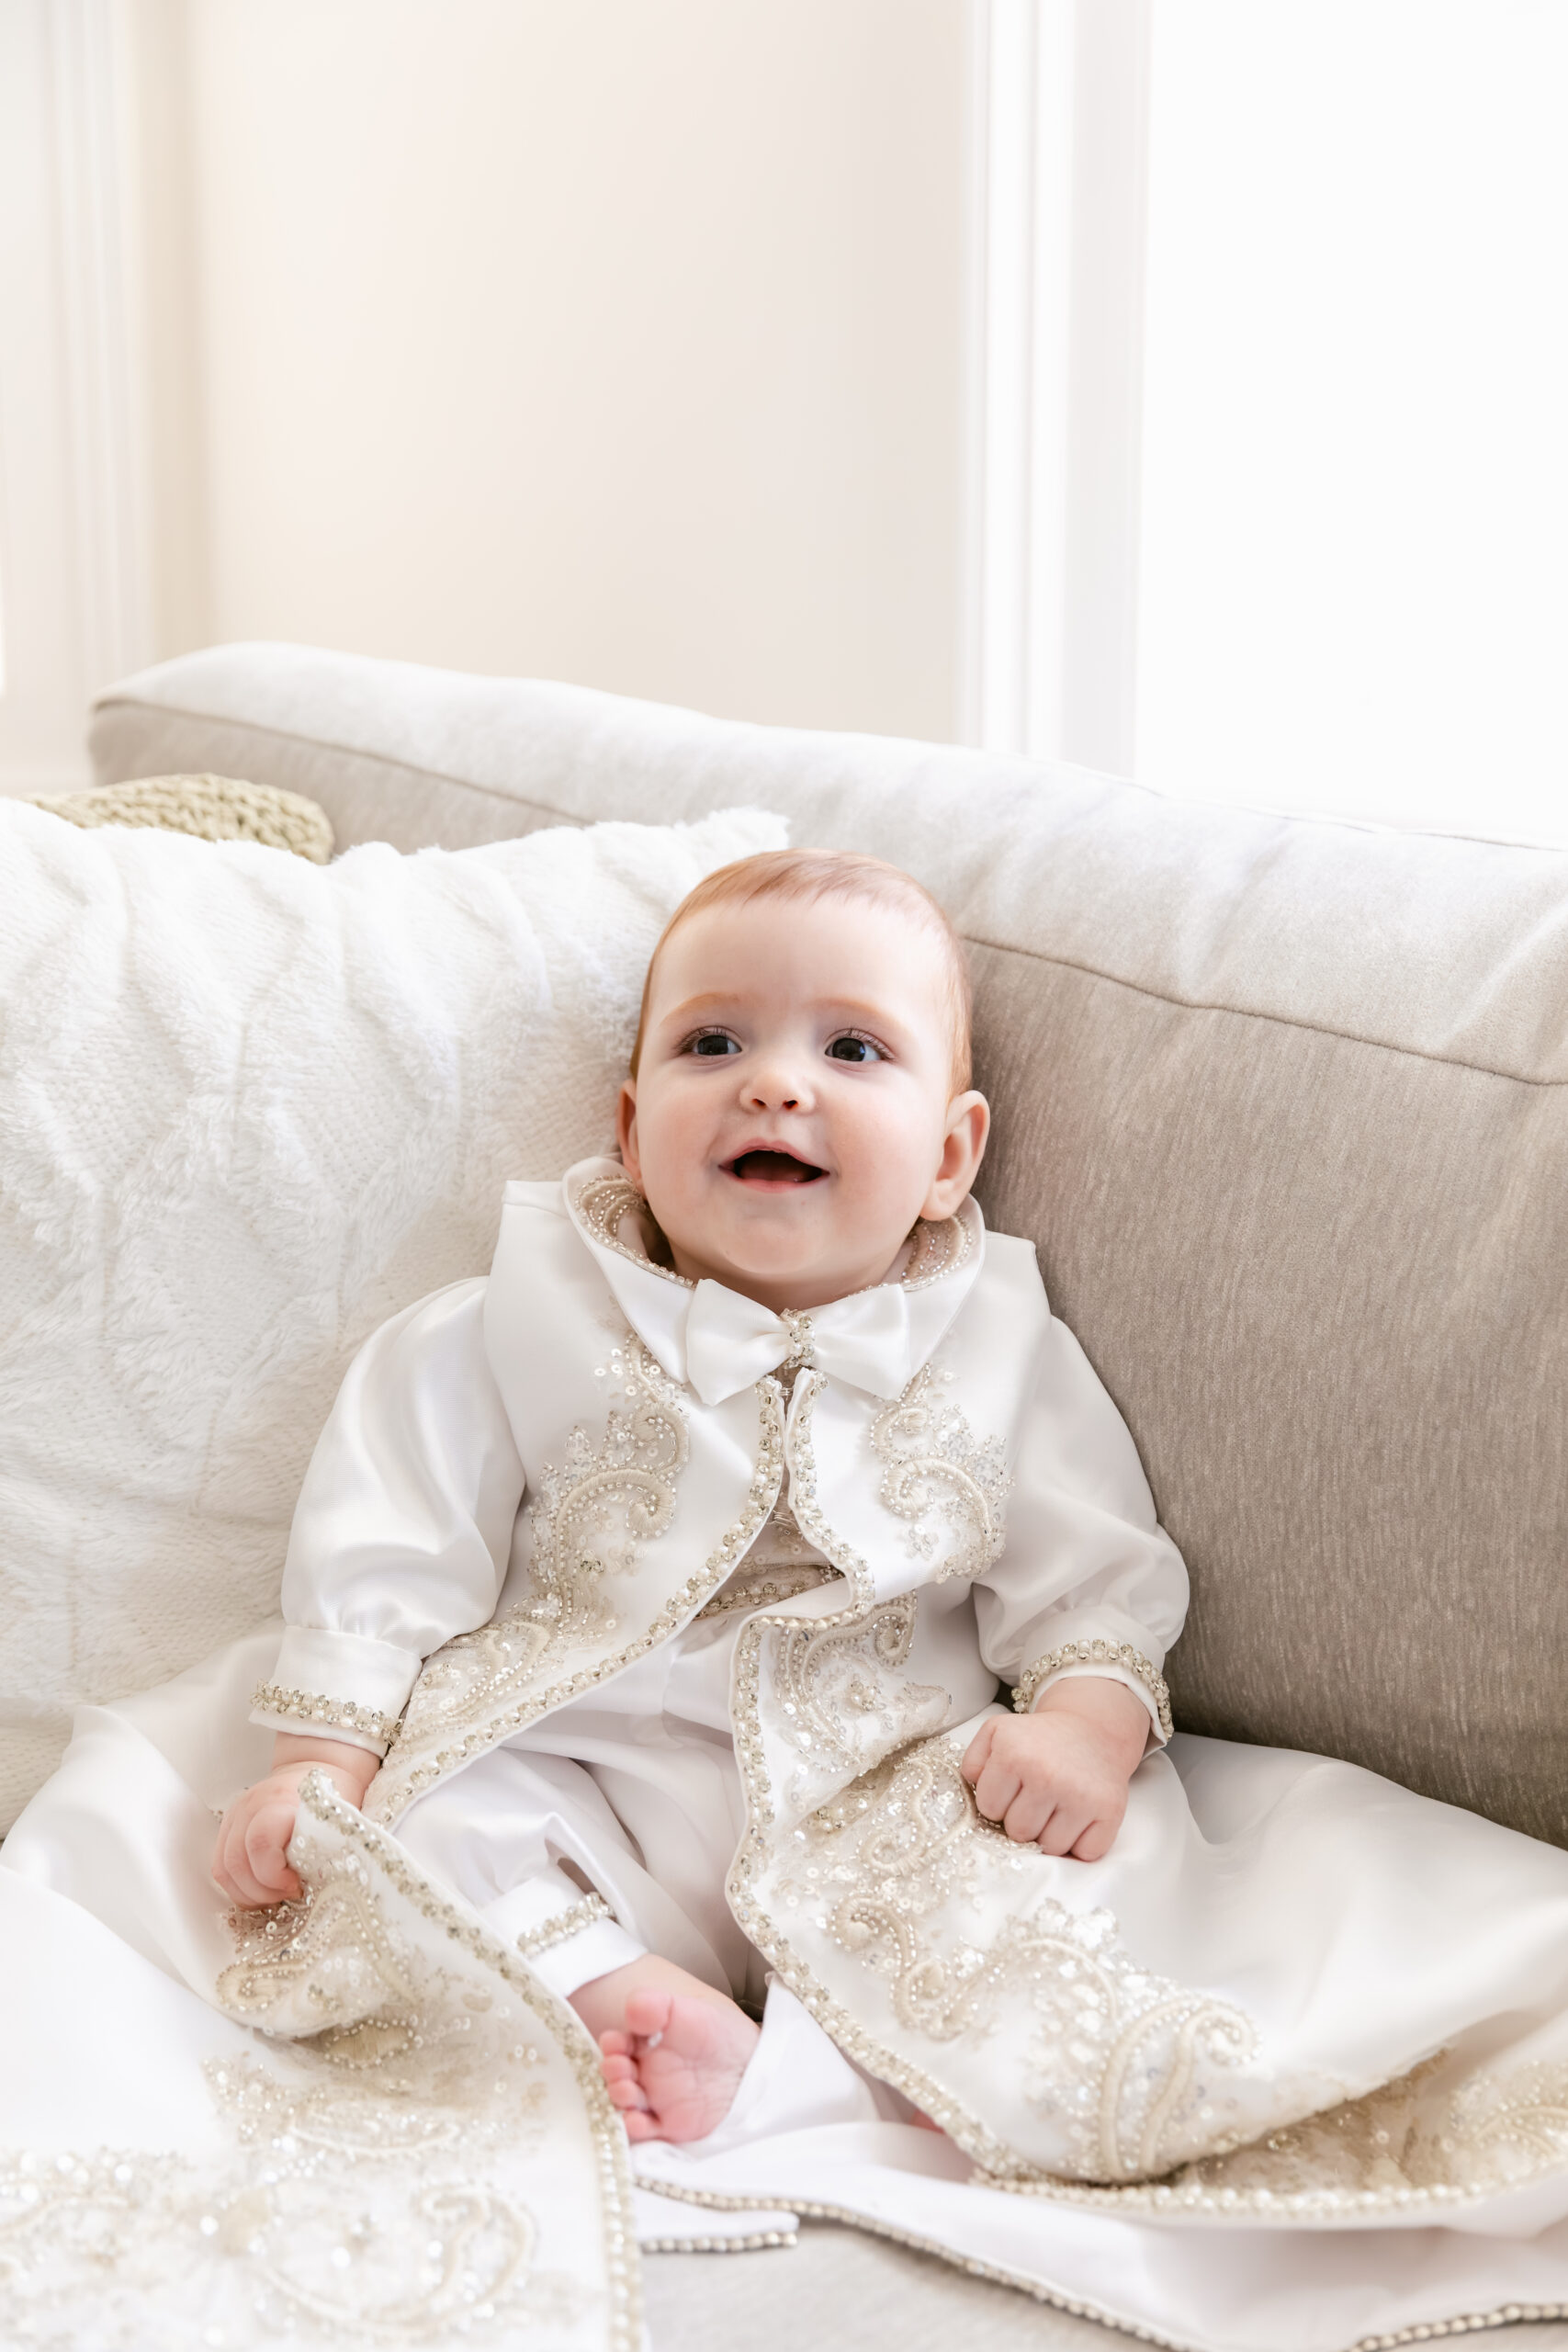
(684, 1011)
(851, 1008)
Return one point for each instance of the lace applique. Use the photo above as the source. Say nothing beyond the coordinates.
(382, 2180)
(322, 1966)
(1418, 2141)
(1500, 2127)
(590, 1517)
(1122, 2060)
(331, 1714)
(481, 1687)
(1096, 1653)
(937, 1473)
(839, 1698)
(1503, 2126)
(755, 1912)
(1495, 2131)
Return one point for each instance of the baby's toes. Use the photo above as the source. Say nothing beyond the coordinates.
(648, 2011)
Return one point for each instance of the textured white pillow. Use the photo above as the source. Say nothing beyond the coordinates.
(248, 1108)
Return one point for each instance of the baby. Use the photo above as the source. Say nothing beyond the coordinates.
(775, 1281)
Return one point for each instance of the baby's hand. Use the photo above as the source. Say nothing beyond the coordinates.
(1057, 1778)
(251, 1864)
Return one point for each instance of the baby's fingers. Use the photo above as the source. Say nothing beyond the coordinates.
(978, 1749)
(1095, 1841)
(266, 1843)
(1027, 1816)
(996, 1786)
(1062, 1834)
(218, 1870)
(233, 1871)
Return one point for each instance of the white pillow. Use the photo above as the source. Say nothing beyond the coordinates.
(249, 1107)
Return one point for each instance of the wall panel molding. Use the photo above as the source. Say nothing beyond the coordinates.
(73, 519)
(105, 434)
(1058, 138)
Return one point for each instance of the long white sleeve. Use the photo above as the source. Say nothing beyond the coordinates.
(403, 1526)
(1088, 1583)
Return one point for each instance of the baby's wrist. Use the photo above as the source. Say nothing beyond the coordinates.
(1108, 1706)
(299, 1771)
(350, 1770)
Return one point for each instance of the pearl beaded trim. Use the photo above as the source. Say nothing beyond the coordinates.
(1096, 1653)
(810, 2209)
(317, 1707)
(562, 1924)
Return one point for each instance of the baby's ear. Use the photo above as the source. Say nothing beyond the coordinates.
(626, 1129)
(962, 1149)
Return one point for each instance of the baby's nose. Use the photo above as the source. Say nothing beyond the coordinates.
(778, 1086)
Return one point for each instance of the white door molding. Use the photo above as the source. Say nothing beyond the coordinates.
(106, 428)
(1058, 142)
(72, 525)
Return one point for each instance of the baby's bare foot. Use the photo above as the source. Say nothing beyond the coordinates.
(675, 2070)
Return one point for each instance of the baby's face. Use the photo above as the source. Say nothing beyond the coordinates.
(792, 1115)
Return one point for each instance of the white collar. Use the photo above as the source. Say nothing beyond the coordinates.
(718, 1341)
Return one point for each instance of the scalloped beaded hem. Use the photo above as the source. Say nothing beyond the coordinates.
(1096, 1653)
(316, 1707)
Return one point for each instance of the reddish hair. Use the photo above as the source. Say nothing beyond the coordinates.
(816, 874)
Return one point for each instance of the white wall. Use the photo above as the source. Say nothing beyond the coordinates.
(616, 341)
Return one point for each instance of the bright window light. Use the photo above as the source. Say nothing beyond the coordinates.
(1353, 580)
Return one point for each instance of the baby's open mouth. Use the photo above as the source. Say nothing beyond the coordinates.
(774, 1168)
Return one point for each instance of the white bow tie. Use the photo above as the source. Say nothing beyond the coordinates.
(731, 1342)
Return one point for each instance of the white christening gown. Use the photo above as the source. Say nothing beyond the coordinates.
(447, 2170)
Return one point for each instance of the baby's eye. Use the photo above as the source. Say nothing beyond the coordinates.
(711, 1042)
(854, 1050)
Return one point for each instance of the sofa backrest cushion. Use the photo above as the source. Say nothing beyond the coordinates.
(1282, 1103)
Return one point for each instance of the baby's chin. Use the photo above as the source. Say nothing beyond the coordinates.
(753, 1250)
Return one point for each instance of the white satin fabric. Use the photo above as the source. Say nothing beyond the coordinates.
(731, 1342)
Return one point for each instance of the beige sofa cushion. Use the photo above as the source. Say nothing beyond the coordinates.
(1282, 1104)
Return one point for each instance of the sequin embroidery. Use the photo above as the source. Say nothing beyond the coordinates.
(950, 1486)
(1125, 2064)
